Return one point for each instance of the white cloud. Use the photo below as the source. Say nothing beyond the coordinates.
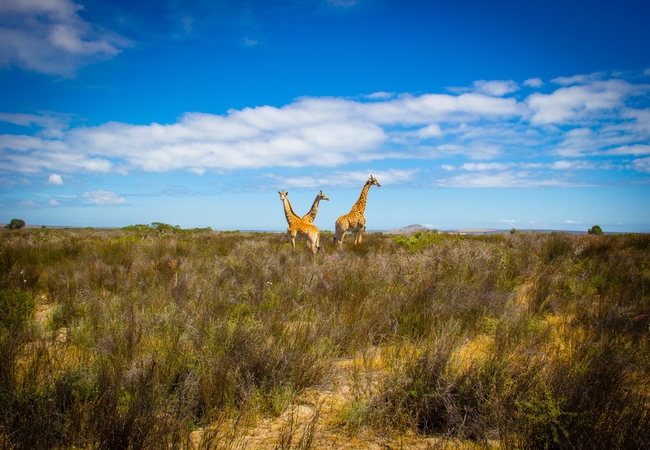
(575, 103)
(55, 180)
(29, 204)
(481, 167)
(534, 82)
(507, 179)
(574, 121)
(430, 131)
(633, 127)
(104, 198)
(380, 96)
(196, 170)
(53, 202)
(606, 139)
(513, 175)
(562, 165)
(426, 109)
(49, 36)
(250, 42)
(577, 142)
(345, 180)
(322, 132)
(637, 149)
(572, 165)
(53, 125)
(578, 79)
(30, 154)
(641, 165)
(497, 88)
(482, 180)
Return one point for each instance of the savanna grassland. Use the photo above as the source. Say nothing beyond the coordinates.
(152, 337)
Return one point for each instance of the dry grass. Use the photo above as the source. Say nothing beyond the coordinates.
(156, 337)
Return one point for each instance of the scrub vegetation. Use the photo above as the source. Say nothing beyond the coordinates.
(153, 337)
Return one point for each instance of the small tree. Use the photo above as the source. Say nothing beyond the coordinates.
(595, 230)
(15, 224)
(162, 227)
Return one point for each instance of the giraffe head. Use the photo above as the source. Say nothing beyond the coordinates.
(283, 195)
(372, 180)
(322, 196)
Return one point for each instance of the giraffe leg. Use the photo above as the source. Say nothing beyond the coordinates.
(314, 244)
(360, 230)
(340, 232)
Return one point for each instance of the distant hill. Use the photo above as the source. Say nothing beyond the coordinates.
(410, 229)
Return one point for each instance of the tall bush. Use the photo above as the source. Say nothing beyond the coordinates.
(15, 224)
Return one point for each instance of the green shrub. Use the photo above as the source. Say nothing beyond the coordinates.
(16, 307)
(163, 228)
(15, 224)
(419, 240)
(595, 230)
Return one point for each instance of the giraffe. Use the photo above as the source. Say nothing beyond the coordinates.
(298, 228)
(355, 221)
(311, 215)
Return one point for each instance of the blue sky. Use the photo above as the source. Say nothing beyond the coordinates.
(471, 114)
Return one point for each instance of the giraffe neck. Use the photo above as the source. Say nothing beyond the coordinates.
(314, 209)
(288, 211)
(360, 205)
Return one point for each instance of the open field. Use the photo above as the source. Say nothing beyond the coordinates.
(152, 338)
